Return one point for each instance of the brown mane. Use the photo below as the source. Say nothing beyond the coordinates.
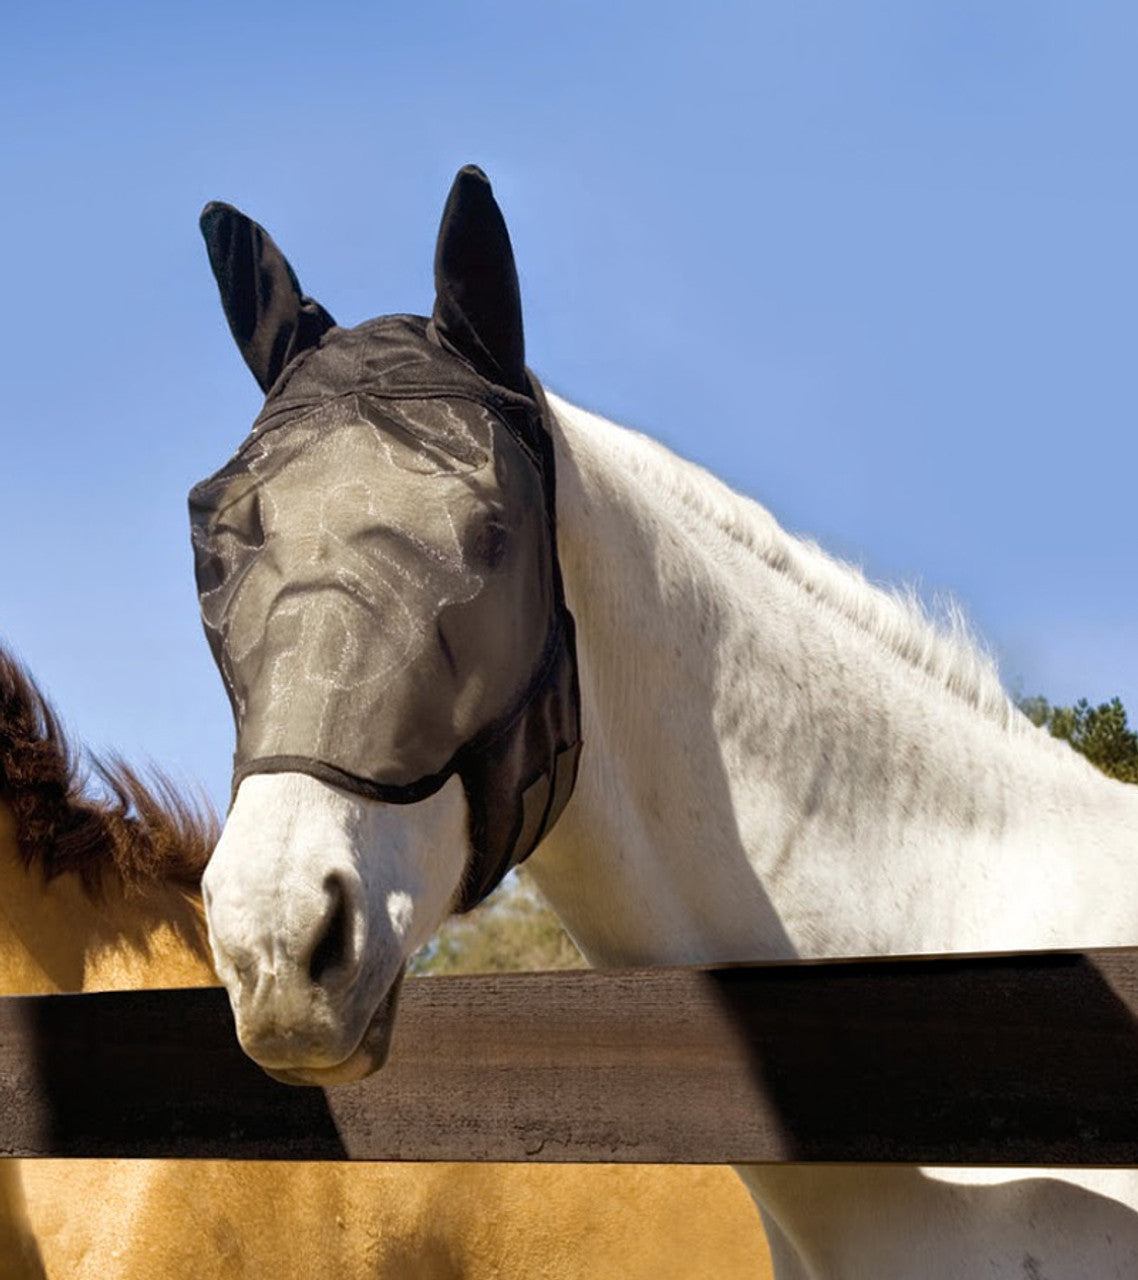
(141, 831)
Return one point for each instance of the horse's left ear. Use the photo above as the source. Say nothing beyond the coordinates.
(270, 318)
(478, 309)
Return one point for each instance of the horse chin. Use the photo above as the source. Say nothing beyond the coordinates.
(367, 1057)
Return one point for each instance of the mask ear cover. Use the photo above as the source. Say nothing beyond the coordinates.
(271, 320)
(478, 309)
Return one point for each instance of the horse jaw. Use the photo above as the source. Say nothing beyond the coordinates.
(315, 899)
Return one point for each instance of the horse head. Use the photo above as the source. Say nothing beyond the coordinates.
(378, 576)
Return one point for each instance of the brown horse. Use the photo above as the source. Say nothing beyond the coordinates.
(100, 892)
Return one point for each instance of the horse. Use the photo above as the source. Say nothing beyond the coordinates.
(463, 622)
(99, 891)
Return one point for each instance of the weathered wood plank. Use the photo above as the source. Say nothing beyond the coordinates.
(1027, 1059)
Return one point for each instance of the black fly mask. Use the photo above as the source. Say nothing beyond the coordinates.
(377, 565)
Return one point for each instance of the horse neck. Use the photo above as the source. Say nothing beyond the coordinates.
(55, 936)
(781, 760)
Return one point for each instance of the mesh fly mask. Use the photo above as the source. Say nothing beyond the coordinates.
(377, 565)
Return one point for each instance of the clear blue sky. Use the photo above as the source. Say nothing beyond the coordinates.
(874, 263)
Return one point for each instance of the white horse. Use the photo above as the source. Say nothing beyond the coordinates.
(779, 760)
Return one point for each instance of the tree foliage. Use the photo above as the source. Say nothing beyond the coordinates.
(513, 929)
(1100, 733)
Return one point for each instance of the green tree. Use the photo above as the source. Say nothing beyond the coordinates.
(513, 929)
(1100, 733)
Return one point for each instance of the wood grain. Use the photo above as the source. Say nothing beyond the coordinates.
(1020, 1059)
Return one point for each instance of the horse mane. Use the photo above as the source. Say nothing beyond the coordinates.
(141, 831)
(945, 648)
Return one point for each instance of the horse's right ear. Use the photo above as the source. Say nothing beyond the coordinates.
(270, 318)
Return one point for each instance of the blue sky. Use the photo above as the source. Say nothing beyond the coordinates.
(873, 263)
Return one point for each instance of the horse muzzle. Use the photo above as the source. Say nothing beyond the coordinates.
(314, 901)
(368, 1056)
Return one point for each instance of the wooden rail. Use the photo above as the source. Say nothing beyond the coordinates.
(1015, 1059)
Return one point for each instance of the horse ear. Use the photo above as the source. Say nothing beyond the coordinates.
(270, 318)
(478, 309)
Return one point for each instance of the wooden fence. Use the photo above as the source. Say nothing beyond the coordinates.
(1009, 1059)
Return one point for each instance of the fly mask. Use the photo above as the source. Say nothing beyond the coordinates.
(377, 565)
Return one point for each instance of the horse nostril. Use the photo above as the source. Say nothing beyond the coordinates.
(330, 951)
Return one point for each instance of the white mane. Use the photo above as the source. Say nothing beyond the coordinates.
(943, 647)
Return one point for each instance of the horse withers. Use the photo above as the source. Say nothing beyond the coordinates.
(462, 623)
